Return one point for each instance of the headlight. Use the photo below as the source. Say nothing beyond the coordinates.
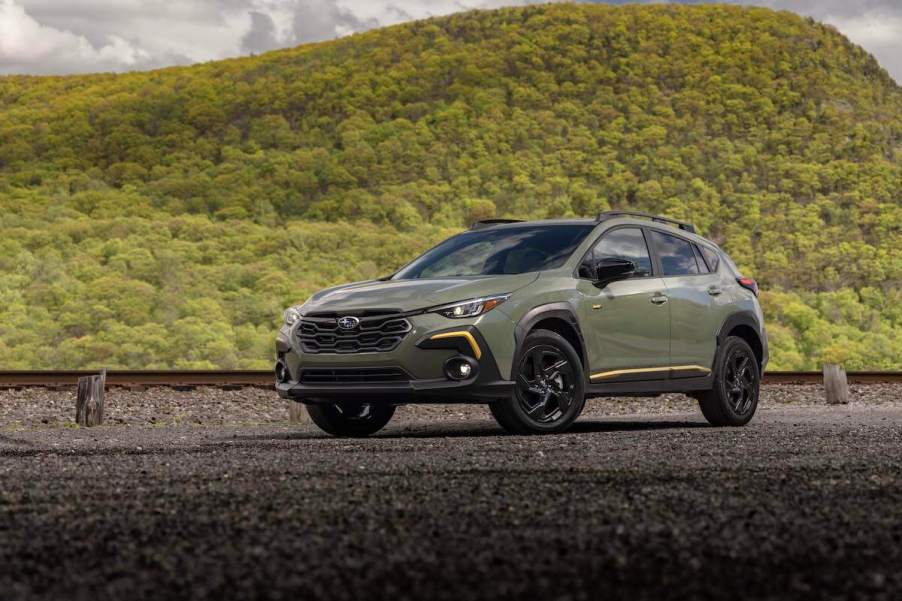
(470, 308)
(291, 316)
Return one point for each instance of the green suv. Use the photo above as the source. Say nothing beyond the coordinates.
(532, 318)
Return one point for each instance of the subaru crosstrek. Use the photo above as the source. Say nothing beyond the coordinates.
(532, 318)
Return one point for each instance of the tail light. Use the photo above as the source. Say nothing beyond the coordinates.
(748, 284)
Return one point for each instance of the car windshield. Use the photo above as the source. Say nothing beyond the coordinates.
(507, 250)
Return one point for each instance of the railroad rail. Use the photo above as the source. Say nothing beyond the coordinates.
(265, 378)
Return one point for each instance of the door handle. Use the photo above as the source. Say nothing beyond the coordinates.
(714, 290)
(659, 299)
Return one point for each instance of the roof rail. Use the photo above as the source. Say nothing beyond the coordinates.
(687, 227)
(490, 222)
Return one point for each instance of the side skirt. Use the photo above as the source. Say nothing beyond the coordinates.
(650, 387)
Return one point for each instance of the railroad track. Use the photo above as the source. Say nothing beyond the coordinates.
(265, 378)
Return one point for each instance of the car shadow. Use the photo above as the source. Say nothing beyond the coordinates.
(482, 430)
(586, 427)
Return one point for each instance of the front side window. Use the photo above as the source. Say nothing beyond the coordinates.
(624, 243)
(507, 250)
(676, 254)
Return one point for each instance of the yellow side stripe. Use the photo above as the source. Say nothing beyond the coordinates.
(477, 352)
(642, 370)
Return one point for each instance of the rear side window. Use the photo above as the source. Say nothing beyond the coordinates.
(676, 254)
(625, 243)
(711, 258)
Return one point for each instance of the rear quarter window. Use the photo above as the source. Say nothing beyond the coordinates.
(711, 258)
(676, 254)
(730, 264)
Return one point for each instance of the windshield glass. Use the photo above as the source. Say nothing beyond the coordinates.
(508, 250)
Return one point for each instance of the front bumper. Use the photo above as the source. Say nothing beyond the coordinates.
(421, 356)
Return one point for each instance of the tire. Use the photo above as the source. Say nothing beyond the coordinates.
(551, 402)
(737, 380)
(355, 420)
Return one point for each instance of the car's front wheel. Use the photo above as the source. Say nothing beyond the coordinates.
(550, 387)
(350, 419)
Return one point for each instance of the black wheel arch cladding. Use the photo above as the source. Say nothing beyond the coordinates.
(559, 312)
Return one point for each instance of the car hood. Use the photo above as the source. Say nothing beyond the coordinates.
(411, 295)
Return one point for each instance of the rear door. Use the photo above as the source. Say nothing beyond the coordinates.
(696, 300)
(626, 324)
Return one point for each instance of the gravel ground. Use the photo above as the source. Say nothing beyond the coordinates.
(641, 501)
(157, 406)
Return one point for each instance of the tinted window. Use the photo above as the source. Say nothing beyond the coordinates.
(711, 258)
(624, 243)
(676, 254)
(507, 250)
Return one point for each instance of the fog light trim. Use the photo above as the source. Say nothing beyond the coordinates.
(282, 373)
(460, 368)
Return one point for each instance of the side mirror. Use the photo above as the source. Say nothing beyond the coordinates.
(611, 270)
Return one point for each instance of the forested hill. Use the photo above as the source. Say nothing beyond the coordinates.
(174, 208)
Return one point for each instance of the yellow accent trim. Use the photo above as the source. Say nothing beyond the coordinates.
(477, 352)
(623, 372)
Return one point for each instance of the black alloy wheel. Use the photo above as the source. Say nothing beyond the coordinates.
(549, 390)
(733, 398)
(545, 384)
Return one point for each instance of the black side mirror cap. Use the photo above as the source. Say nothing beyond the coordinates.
(611, 270)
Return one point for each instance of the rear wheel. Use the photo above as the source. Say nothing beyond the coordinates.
(550, 387)
(737, 378)
(350, 419)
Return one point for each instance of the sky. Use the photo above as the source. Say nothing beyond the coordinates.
(81, 36)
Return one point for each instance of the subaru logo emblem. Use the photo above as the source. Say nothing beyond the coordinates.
(348, 323)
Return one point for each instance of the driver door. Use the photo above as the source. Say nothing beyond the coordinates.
(626, 324)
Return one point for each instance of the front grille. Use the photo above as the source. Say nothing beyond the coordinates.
(377, 333)
(353, 375)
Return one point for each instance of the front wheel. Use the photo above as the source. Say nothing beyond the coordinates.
(350, 419)
(737, 378)
(550, 387)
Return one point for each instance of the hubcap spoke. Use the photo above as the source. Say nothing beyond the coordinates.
(537, 411)
(528, 384)
(564, 397)
(537, 370)
(553, 369)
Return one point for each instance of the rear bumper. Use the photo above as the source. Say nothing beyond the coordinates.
(399, 393)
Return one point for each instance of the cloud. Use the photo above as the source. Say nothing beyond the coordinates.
(27, 46)
(262, 34)
(878, 31)
(318, 20)
(71, 36)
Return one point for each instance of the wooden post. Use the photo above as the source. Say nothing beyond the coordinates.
(89, 400)
(297, 414)
(836, 384)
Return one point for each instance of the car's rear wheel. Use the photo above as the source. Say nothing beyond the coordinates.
(737, 378)
(350, 419)
(550, 387)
